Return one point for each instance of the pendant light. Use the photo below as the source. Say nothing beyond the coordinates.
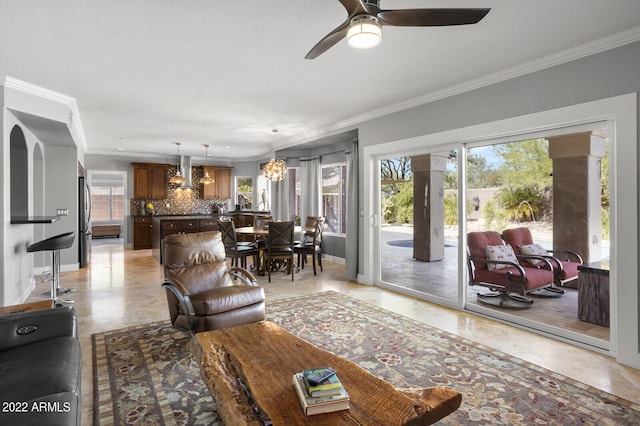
(275, 170)
(178, 179)
(206, 179)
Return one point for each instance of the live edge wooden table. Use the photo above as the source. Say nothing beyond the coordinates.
(249, 370)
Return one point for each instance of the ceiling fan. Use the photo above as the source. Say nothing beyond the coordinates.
(363, 25)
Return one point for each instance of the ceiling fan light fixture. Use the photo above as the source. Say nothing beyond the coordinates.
(364, 32)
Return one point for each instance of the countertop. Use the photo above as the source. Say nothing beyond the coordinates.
(34, 219)
(201, 215)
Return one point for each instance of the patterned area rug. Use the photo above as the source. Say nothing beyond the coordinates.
(145, 374)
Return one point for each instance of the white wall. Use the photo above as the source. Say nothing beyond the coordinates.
(58, 169)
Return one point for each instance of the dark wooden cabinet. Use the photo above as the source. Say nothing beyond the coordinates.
(142, 232)
(221, 188)
(208, 225)
(150, 181)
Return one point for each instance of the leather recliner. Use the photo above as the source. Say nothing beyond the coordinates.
(40, 368)
(203, 292)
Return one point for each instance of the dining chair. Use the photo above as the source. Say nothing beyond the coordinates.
(234, 250)
(261, 222)
(279, 246)
(311, 245)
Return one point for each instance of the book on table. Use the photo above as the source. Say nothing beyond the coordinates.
(319, 405)
(330, 386)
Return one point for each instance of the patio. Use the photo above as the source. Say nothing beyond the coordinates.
(441, 279)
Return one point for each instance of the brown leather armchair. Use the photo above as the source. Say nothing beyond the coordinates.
(200, 289)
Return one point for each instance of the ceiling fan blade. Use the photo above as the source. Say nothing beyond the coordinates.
(328, 41)
(354, 7)
(431, 17)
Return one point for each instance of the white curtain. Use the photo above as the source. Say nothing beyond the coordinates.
(311, 190)
(351, 244)
(280, 199)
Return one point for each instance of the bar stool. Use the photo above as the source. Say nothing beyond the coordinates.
(55, 244)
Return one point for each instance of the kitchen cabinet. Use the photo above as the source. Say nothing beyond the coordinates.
(167, 225)
(221, 188)
(208, 225)
(142, 231)
(150, 181)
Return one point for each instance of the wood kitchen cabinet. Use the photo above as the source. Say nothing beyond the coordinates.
(150, 181)
(142, 231)
(221, 188)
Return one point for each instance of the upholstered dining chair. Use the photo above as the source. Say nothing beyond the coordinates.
(565, 262)
(510, 278)
(201, 293)
(279, 246)
(311, 244)
(235, 250)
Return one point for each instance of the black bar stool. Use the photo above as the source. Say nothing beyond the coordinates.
(55, 244)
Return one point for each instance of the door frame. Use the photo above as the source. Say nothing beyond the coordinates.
(621, 113)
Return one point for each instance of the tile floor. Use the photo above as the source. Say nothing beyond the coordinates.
(121, 287)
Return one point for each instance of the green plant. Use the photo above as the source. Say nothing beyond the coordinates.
(495, 219)
(450, 209)
(522, 203)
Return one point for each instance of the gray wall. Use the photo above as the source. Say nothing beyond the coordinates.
(603, 75)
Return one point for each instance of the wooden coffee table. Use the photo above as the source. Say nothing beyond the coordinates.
(249, 370)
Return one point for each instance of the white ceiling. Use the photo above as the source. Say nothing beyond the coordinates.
(226, 72)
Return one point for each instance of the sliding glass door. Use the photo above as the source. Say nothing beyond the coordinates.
(419, 225)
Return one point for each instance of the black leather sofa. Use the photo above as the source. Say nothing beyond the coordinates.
(40, 368)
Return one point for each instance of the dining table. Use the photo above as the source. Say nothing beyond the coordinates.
(263, 231)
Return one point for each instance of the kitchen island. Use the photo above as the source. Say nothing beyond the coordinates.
(161, 226)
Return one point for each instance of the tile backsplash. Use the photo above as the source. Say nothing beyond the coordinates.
(181, 201)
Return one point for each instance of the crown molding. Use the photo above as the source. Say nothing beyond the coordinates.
(32, 89)
(50, 95)
(586, 49)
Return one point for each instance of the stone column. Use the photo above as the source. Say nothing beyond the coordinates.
(428, 206)
(577, 211)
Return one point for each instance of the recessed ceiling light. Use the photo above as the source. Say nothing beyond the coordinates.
(123, 139)
(119, 149)
(227, 147)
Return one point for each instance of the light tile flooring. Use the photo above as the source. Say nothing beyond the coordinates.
(121, 287)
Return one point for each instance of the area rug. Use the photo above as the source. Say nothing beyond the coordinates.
(146, 375)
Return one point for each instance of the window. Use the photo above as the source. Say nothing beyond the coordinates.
(244, 192)
(334, 197)
(107, 203)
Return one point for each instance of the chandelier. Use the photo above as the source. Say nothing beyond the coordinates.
(275, 170)
(178, 178)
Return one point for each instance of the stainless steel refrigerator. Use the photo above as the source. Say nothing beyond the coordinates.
(84, 222)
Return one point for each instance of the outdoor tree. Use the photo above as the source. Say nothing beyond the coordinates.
(394, 171)
(525, 163)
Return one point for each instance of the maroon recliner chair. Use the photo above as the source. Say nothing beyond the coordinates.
(564, 262)
(494, 265)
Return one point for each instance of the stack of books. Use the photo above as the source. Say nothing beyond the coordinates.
(325, 397)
